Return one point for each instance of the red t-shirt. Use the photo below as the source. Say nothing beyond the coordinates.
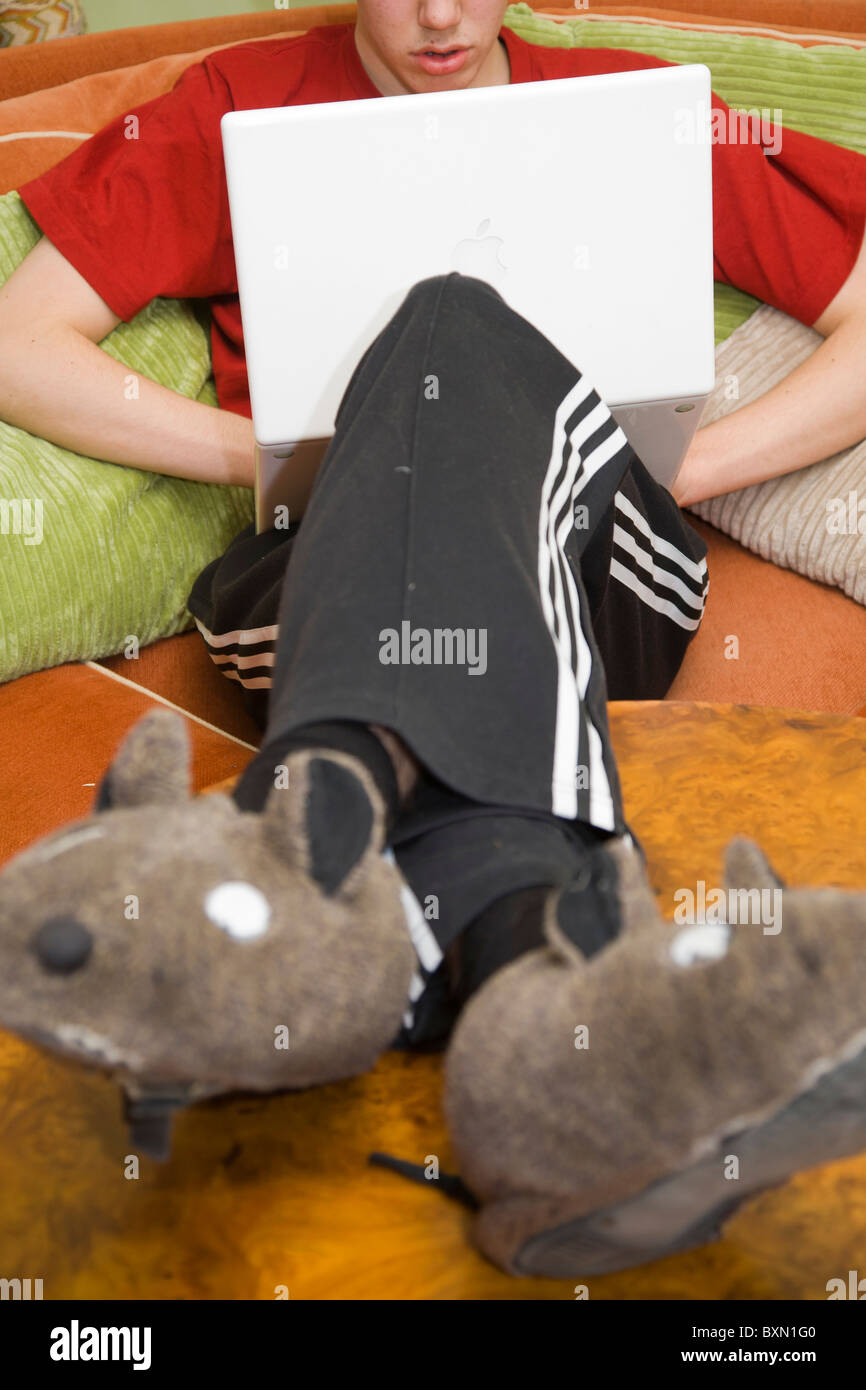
(147, 217)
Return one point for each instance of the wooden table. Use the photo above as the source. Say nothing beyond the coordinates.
(277, 1191)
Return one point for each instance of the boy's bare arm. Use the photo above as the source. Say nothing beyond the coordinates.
(57, 383)
(815, 412)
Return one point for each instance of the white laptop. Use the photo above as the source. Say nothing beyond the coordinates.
(585, 201)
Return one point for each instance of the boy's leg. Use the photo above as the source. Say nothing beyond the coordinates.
(437, 585)
(235, 603)
(645, 573)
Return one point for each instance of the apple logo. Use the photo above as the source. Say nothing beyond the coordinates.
(479, 255)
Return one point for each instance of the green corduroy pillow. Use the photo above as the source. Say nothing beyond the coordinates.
(119, 547)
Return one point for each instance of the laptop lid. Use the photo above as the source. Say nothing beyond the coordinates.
(587, 202)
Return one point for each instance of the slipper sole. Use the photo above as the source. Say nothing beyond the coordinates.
(690, 1208)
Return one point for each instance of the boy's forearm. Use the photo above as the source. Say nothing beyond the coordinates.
(59, 385)
(816, 411)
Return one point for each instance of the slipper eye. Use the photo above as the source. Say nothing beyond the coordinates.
(62, 945)
(708, 941)
(239, 909)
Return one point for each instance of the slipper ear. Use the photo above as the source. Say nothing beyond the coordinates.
(636, 899)
(151, 767)
(746, 866)
(611, 896)
(329, 820)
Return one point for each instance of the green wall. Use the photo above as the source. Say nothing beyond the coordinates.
(122, 14)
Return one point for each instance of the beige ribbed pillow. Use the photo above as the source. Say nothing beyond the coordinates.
(804, 521)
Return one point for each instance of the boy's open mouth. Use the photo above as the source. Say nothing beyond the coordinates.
(441, 60)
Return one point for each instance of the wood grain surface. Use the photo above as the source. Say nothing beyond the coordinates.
(277, 1191)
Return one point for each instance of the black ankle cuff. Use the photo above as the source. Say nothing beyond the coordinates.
(257, 781)
(587, 913)
(509, 928)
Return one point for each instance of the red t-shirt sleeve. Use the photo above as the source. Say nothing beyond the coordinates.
(787, 226)
(148, 216)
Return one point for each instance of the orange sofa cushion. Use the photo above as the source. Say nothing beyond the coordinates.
(64, 728)
(25, 70)
(820, 16)
(771, 637)
(799, 20)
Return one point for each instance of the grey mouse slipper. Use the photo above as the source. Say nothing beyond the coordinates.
(610, 1111)
(191, 948)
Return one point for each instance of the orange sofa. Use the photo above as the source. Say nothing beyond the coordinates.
(798, 640)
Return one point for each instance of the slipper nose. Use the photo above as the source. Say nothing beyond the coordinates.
(62, 945)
